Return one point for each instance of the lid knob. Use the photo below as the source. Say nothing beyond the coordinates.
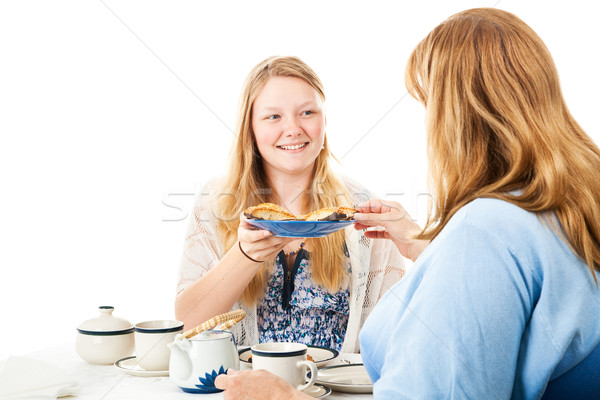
(105, 322)
(106, 310)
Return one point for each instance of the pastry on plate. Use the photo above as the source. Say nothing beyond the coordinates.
(273, 212)
(269, 211)
(331, 214)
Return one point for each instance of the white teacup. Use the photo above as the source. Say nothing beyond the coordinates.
(151, 339)
(286, 360)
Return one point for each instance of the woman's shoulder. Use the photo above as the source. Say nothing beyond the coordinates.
(533, 239)
(492, 214)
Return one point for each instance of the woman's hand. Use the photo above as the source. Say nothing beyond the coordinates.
(256, 385)
(397, 224)
(259, 244)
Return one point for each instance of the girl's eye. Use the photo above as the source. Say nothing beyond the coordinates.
(308, 112)
(275, 116)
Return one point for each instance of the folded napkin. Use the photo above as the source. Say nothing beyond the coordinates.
(25, 378)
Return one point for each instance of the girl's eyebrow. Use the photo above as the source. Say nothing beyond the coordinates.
(308, 103)
(274, 109)
(269, 109)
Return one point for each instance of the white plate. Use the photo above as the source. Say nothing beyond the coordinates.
(320, 355)
(317, 391)
(129, 365)
(352, 378)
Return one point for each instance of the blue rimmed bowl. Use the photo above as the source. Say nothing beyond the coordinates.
(300, 229)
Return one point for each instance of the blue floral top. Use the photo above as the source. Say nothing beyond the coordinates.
(295, 309)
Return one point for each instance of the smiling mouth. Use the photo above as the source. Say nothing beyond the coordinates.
(293, 147)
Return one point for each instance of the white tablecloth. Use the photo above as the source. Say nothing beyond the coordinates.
(107, 382)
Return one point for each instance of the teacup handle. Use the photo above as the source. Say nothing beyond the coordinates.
(313, 373)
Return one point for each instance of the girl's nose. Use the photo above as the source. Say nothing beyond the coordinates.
(292, 128)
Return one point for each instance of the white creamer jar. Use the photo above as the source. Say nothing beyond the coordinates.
(105, 339)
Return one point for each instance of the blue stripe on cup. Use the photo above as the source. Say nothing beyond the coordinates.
(278, 353)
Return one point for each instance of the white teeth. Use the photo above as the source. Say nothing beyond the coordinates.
(294, 147)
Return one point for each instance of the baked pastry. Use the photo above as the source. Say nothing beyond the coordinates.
(347, 211)
(273, 212)
(331, 214)
(269, 211)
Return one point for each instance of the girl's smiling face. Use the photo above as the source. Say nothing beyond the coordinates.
(288, 122)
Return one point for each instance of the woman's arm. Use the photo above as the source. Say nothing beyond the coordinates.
(219, 289)
(456, 322)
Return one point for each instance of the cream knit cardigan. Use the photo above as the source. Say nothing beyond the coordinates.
(375, 264)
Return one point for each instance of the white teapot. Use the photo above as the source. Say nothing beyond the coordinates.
(196, 362)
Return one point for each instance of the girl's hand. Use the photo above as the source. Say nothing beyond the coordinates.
(256, 385)
(396, 223)
(259, 244)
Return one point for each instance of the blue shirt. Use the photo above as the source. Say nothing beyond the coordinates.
(295, 309)
(496, 307)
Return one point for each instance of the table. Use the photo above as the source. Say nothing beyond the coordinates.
(106, 382)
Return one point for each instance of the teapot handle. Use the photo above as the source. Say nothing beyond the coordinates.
(227, 324)
(225, 321)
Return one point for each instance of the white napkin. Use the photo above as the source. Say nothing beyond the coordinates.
(25, 378)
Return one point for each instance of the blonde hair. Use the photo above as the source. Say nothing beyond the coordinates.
(246, 184)
(498, 127)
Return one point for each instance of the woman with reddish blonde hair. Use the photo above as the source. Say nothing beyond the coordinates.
(503, 300)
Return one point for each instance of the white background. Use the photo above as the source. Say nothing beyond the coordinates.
(113, 113)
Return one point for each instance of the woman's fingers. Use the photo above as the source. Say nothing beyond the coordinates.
(377, 212)
(370, 206)
(370, 219)
(263, 249)
(377, 234)
(244, 223)
(262, 239)
(396, 223)
(364, 225)
(221, 381)
(255, 385)
(248, 235)
(259, 244)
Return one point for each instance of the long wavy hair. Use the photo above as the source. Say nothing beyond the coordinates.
(498, 127)
(245, 183)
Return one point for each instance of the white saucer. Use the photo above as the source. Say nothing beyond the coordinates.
(317, 391)
(129, 365)
(352, 378)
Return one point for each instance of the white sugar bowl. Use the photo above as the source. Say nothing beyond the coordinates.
(105, 339)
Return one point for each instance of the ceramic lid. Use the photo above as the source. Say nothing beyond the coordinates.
(105, 324)
(212, 335)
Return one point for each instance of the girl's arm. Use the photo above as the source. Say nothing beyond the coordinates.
(220, 288)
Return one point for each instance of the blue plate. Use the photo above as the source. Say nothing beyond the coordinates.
(304, 229)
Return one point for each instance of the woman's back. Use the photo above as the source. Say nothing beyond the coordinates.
(496, 306)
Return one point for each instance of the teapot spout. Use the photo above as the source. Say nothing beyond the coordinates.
(180, 363)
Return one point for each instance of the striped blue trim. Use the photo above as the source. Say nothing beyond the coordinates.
(159, 330)
(283, 354)
(105, 333)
